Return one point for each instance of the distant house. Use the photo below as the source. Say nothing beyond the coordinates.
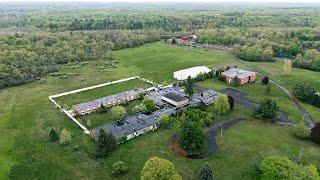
(188, 40)
(115, 99)
(192, 72)
(242, 76)
(175, 99)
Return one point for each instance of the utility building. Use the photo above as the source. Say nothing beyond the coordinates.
(192, 72)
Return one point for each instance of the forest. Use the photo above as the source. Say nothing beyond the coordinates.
(34, 41)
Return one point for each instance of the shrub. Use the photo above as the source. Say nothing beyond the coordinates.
(65, 137)
(206, 172)
(221, 104)
(221, 78)
(106, 144)
(304, 92)
(118, 112)
(235, 82)
(267, 90)
(88, 123)
(119, 167)
(265, 80)
(315, 133)
(300, 131)
(158, 168)
(53, 135)
(267, 110)
(277, 167)
(201, 117)
(141, 108)
(102, 109)
(151, 106)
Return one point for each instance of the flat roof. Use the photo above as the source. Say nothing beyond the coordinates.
(233, 72)
(174, 96)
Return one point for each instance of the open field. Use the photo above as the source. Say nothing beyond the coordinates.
(27, 117)
(100, 92)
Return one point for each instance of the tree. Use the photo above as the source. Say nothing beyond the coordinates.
(206, 172)
(191, 136)
(165, 121)
(267, 90)
(277, 167)
(119, 167)
(151, 106)
(53, 135)
(189, 86)
(118, 112)
(231, 102)
(287, 67)
(267, 110)
(158, 168)
(202, 118)
(65, 137)
(221, 104)
(141, 108)
(235, 82)
(315, 133)
(304, 92)
(265, 80)
(106, 144)
(300, 131)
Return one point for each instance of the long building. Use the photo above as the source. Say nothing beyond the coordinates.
(192, 72)
(115, 99)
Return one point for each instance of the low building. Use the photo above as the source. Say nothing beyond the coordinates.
(207, 97)
(156, 95)
(242, 76)
(175, 99)
(192, 72)
(115, 99)
(135, 125)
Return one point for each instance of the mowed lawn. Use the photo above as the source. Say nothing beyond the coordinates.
(274, 70)
(100, 92)
(27, 116)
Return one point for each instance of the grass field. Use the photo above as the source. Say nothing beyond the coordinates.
(27, 116)
(98, 119)
(97, 93)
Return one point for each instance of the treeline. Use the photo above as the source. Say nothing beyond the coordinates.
(168, 20)
(308, 60)
(263, 44)
(27, 57)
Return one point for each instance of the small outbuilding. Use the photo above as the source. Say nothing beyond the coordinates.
(192, 72)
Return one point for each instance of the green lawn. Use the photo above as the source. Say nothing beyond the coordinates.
(27, 116)
(97, 93)
(274, 70)
(97, 119)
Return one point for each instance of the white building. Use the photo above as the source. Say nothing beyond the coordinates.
(192, 72)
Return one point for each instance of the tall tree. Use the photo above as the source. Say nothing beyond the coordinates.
(106, 144)
(158, 168)
(189, 86)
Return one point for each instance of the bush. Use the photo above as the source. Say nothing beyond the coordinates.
(265, 80)
(221, 78)
(206, 172)
(65, 137)
(221, 104)
(102, 109)
(119, 167)
(300, 131)
(118, 112)
(267, 110)
(304, 92)
(201, 117)
(267, 90)
(235, 82)
(53, 135)
(277, 167)
(315, 133)
(151, 106)
(158, 168)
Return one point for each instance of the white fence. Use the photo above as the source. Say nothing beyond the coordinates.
(86, 131)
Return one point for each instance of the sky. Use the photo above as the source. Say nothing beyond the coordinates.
(178, 1)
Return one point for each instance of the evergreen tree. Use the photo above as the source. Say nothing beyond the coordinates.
(189, 86)
(191, 136)
(53, 135)
(206, 172)
(106, 144)
(315, 133)
(267, 110)
(265, 80)
(231, 102)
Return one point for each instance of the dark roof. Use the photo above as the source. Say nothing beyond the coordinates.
(174, 96)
